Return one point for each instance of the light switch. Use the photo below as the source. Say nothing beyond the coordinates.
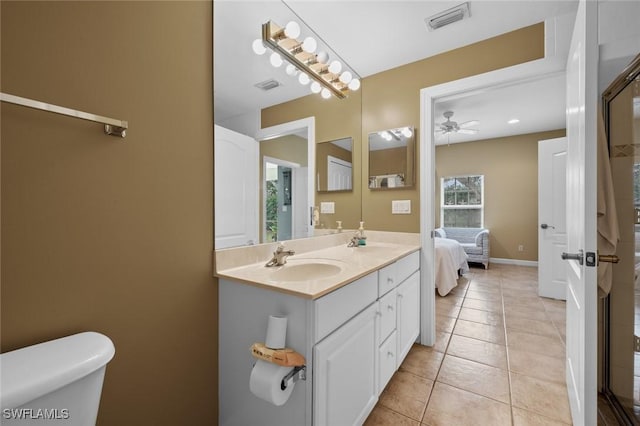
(328, 207)
(401, 207)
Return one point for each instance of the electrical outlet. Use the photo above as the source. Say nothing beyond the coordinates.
(328, 207)
(401, 207)
(520, 247)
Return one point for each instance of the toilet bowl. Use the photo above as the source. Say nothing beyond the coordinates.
(57, 382)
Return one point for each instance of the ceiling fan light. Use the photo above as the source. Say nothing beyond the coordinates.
(258, 47)
(292, 30)
(407, 132)
(326, 94)
(354, 84)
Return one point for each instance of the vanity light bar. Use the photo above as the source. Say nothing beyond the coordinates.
(294, 51)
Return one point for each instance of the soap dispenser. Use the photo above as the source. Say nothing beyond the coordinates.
(339, 227)
(362, 239)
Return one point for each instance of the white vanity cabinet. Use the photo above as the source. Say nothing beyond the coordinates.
(399, 296)
(353, 339)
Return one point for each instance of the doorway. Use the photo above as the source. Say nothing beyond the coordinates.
(280, 203)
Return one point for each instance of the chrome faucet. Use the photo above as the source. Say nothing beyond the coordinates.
(280, 256)
(354, 241)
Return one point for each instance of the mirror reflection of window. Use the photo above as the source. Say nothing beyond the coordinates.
(334, 165)
(391, 158)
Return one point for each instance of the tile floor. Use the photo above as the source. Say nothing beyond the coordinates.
(498, 358)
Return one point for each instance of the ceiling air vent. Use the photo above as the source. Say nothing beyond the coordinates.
(447, 17)
(268, 84)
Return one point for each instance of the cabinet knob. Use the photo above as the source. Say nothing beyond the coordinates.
(390, 307)
(390, 280)
(390, 354)
(378, 313)
(400, 296)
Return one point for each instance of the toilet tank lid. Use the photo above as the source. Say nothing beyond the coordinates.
(33, 371)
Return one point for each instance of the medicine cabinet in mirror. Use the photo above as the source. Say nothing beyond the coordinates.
(392, 158)
(334, 165)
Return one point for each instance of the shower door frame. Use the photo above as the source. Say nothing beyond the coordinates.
(628, 76)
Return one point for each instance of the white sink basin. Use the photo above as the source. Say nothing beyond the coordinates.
(307, 270)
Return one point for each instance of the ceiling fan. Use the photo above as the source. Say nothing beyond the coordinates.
(449, 126)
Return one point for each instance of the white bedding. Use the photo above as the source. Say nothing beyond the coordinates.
(450, 257)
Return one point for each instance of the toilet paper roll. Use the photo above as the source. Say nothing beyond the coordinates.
(276, 332)
(265, 382)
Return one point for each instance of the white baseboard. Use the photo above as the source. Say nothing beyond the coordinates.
(513, 262)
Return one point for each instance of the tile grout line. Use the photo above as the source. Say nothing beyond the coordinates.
(444, 354)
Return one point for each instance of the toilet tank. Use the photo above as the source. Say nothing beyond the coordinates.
(57, 382)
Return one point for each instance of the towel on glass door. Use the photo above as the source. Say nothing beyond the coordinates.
(608, 231)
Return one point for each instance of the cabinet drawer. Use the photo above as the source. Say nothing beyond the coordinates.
(387, 361)
(387, 279)
(339, 306)
(387, 314)
(407, 266)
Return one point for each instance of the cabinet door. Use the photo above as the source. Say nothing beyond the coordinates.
(344, 372)
(408, 308)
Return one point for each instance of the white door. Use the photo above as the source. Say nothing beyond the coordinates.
(582, 295)
(301, 214)
(236, 189)
(552, 214)
(338, 174)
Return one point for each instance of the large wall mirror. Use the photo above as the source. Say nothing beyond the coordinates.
(265, 189)
(392, 158)
(334, 165)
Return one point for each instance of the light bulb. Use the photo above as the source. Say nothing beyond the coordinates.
(407, 132)
(354, 84)
(322, 57)
(309, 45)
(258, 46)
(325, 93)
(304, 79)
(275, 59)
(291, 70)
(315, 87)
(346, 77)
(292, 30)
(335, 67)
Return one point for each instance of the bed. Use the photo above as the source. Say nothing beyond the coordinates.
(450, 260)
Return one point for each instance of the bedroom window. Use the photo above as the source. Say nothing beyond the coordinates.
(462, 201)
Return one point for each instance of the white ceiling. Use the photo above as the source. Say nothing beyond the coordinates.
(374, 36)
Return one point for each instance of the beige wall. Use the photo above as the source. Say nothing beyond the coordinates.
(387, 161)
(391, 99)
(113, 235)
(510, 169)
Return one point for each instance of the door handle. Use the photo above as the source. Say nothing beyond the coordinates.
(609, 258)
(545, 226)
(574, 256)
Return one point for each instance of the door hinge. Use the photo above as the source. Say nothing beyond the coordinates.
(636, 343)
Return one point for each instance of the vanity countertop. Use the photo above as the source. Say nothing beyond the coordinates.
(327, 253)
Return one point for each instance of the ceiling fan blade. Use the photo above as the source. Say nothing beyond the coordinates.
(468, 131)
(468, 124)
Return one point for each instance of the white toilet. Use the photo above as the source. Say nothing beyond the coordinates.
(57, 382)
